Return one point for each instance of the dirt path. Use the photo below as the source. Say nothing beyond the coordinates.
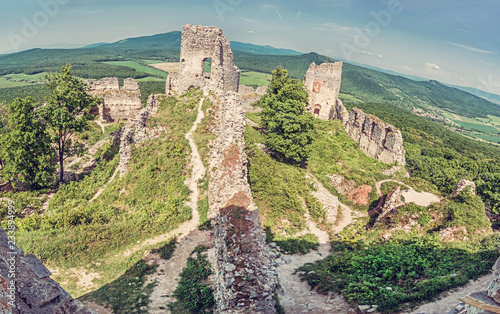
(411, 196)
(99, 123)
(98, 193)
(188, 236)
(449, 300)
(297, 296)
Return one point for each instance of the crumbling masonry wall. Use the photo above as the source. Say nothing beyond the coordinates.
(200, 43)
(118, 102)
(323, 83)
(377, 139)
(246, 277)
(135, 132)
(26, 287)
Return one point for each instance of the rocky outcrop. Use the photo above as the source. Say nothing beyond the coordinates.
(392, 201)
(376, 138)
(323, 83)
(462, 185)
(482, 302)
(494, 288)
(26, 286)
(199, 44)
(135, 131)
(118, 102)
(245, 276)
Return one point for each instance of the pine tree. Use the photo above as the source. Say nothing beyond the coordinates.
(289, 128)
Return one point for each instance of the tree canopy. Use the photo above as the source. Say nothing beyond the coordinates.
(289, 128)
(66, 111)
(25, 149)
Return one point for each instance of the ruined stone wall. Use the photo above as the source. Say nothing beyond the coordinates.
(245, 276)
(323, 83)
(26, 287)
(376, 138)
(135, 132)
(119, 102)
(200, 43)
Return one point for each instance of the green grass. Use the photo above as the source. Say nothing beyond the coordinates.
(146, 202)
(193, 294)
(251, 78)
(335, 153)
(282, 193)
(128, 293)
(478, 127)
(139, 67)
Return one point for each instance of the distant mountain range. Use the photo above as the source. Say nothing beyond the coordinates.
(364, 83)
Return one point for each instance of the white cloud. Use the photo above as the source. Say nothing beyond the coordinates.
(366, 52)
(406, 68)
(336, 28)
(250, 32)
(471, 48)
(248, 20)
(279, 15)
(432, 66)
(268, 7)
(380, 56)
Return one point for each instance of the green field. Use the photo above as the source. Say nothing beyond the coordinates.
(34, 78)
(151, 79)
(251, 78)
(489, 138)
(4, 83)
(478, 127)
(138, 67)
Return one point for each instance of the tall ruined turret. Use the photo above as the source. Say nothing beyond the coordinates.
(200, 43)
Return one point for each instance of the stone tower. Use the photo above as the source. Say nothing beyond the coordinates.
(323, 83)
(200, 43)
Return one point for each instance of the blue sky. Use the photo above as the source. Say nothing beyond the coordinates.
(453, 41)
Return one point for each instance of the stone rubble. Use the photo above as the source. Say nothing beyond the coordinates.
(462, 185)
(33, 291)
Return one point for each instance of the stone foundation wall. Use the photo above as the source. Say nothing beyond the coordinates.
(119, 102)
(376, 138)
(26, 286)
(245, 276)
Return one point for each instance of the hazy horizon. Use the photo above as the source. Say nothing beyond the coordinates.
(453, 42)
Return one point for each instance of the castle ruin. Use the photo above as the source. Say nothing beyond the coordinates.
(323, 83)
(198, 45)
(118, 102)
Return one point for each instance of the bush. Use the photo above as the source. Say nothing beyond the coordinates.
(192, 292)
(393, 273)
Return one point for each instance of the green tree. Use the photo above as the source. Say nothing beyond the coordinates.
(66, 111)
(25, 149)
(289, 128)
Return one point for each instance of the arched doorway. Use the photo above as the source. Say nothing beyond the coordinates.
(316, 110)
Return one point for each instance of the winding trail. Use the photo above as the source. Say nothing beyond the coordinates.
(297, 296)
(411, 196)
(99, 192)
(187, 234)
